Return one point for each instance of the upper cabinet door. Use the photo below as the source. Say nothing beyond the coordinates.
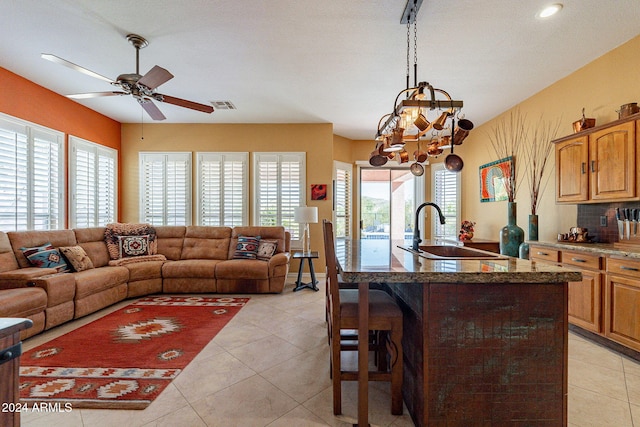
(572, 177)
(612, 163)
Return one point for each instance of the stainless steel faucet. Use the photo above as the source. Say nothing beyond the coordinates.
(416, 231)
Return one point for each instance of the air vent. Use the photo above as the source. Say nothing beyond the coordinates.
(223, 105)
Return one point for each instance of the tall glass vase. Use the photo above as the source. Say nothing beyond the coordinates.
(533, 236)
(511, 236)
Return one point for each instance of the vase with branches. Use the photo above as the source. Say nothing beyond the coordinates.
(507, 139)
(537, 152)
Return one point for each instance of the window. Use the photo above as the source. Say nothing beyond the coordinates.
(446, 194)
(31, 176)
(93, 189)
(279, 187)
(222, 189)
(165, 188)
(342, 178)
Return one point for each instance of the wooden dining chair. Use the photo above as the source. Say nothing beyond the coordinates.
(385, 323)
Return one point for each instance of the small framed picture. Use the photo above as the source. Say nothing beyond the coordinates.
(318, 191)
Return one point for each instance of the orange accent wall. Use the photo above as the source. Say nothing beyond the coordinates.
(26, 100)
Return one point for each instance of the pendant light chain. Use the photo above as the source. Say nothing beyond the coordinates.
(415, 44)
(408, 49)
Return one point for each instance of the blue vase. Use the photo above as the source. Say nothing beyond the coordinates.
(511, 236)
(533, 236)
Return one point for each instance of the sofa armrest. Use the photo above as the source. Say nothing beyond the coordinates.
(21, 277)
(60, 287)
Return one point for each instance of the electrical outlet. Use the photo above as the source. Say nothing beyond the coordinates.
(603, 220)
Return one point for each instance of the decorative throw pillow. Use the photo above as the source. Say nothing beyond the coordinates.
(46, 256)
(247, 247)
(77, 257)
(266, 249)
(130, 246)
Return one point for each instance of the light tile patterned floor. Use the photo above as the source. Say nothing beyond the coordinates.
(269, 367)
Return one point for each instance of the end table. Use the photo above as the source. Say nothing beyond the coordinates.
(308, 256)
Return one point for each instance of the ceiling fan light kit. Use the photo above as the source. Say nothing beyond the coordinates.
(141, 87)
(409, 122)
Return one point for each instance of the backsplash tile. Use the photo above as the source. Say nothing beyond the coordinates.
(589, 217)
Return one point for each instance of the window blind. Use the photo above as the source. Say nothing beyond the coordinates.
(31, 176)
(222, 189)
(165, 188)
(342, 195)
(92, 183)
(279, 189)
(446, 195)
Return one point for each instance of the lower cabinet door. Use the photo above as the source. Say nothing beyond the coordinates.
(585, 301)
(622, 311)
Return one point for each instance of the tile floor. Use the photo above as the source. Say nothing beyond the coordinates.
(269, 367)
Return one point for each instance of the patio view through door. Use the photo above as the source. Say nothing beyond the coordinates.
(388, 198)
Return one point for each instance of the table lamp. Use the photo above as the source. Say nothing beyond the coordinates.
(306, 215)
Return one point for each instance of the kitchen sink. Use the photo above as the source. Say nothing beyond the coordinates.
(452, 252)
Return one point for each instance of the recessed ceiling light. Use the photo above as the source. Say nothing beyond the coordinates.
(550, 10)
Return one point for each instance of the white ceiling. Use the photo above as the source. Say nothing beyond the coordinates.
(302, 61)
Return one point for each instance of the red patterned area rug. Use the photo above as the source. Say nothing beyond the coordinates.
(125, 359)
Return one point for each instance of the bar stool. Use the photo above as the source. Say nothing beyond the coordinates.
(385, 322)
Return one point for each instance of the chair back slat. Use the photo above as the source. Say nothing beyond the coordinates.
(332, 267)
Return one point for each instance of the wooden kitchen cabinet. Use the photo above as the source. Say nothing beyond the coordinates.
(622, 301)
(585, 297)
(612, 163)
(572, 179)
(598, 164)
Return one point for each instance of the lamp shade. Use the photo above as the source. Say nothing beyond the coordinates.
(306, 215)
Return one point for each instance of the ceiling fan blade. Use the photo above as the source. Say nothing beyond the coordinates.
(94, 94)
(183, 103)
(155, 77)
(76, 67)
(151, 109)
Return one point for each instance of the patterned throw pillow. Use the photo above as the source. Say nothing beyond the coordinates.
(46, 256)
(247, 247)
(130, 246)
(266, 249)
(77, 257)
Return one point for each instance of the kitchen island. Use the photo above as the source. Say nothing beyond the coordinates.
(484, 341)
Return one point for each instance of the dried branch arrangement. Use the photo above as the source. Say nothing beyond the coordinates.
(507, 139)
(536, 154)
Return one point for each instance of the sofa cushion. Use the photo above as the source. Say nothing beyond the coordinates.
(201, 242)
(242, 269)
(77, 257)
(247, 247)
(96, 280)
(46, 256)
(92, 241)
(31, 238)
(266, 249)
(132, 246)
(190, 268)
(170, 240)
(114, 231)
(22, 302)
(268, 233)
(8, 260)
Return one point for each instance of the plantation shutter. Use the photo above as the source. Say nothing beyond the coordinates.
(279, 189)
(222, 193)
(92, 184)
(31, 177)
(343, 196)
(165, 188)
(446, 195)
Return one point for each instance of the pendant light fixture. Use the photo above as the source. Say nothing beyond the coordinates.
(410, 120)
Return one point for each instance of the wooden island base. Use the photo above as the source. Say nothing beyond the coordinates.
(485, 353)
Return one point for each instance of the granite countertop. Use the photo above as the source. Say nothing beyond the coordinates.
(597, 248)
(383, 261)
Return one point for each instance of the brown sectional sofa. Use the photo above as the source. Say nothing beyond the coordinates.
(199, 259)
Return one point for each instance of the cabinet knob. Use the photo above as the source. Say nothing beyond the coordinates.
(593, 165)
(578, 260)
(623, 267)
(583, 168)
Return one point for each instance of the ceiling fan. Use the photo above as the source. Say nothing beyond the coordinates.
(142, 88)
